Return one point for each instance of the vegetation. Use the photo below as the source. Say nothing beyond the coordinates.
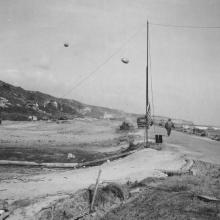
(175, 197)
(17, 104)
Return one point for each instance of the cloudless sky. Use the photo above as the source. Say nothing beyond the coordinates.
(184, 65)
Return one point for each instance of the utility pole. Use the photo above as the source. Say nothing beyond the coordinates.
(147, 101)
(0, 115)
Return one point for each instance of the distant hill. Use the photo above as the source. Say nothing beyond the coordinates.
(17, 103)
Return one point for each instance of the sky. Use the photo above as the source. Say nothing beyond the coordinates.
(184, 63)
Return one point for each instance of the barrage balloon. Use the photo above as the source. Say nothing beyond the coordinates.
(125, 60)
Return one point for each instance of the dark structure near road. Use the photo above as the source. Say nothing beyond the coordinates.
(158, 139)
(141, 122)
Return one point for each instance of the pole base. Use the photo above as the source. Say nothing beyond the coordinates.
(147, 145)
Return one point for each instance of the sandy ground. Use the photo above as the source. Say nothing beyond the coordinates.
(33, 191)
(43, 188)
(51, 142)
(66, 133)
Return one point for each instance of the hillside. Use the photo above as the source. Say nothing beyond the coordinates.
(17, 103)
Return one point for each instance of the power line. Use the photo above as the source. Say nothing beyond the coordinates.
(151, 82)
(77, 84)
(185, 26)
(102, 64)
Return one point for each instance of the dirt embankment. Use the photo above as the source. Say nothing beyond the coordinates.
(176, 197)
(28, 195)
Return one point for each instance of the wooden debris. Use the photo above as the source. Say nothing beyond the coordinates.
(186, 169)
(96, 187)
(4, 215)
(110, 158)
(208, 198)
(27, 163)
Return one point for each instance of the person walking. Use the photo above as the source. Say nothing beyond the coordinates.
(169, 125)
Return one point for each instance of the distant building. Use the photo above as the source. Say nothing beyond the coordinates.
(188, 129)
(45, 118)
(54, 103)
(85, 110)
(199, 130)
(4, 103)
(32, 105)
(32, 118)
(213, 133)
(108, 116)
(51, 103)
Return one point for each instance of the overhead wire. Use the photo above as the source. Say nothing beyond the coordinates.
(151, 80)
(77, 84)
(90, 74)
(171, 26)
(184, 26)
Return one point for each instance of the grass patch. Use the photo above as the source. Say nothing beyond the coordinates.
(174, 197)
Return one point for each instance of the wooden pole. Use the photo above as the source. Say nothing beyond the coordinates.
(95, 191)
(147, 101)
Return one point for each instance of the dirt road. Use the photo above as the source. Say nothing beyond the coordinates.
(196, 147)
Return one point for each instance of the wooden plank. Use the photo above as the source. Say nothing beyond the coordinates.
(66, 165)
(208, 198)
(94, 162)
(95, 191)
(27, 163)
